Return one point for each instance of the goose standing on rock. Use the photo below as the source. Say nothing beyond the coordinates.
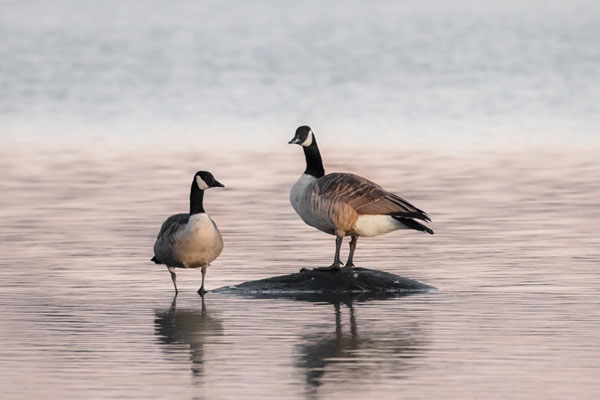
(344, 204)
(190, 240)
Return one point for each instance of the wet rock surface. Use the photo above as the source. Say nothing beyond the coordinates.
(349, 281)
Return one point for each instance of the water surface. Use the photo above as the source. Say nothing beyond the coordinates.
(520, 71)
(85, 314)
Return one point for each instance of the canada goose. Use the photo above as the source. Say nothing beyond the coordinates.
(346, 204)
(190, 240)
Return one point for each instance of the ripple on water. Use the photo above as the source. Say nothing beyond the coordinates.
(86, 314)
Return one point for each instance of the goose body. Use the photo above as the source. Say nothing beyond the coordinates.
(305, 201)
(190, 240)
(344, 204)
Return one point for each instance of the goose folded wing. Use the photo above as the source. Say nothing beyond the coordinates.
(165, 242)
(366, 197)
(172, 224)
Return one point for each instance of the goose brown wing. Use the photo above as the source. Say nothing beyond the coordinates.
(366, 197)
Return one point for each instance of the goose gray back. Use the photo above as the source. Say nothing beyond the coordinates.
(343, 204)
(190, 240)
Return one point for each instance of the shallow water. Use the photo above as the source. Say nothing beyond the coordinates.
(85, 314)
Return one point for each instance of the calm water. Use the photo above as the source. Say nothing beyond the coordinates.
(85, 314)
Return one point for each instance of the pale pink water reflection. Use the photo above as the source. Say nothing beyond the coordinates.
(86, 314)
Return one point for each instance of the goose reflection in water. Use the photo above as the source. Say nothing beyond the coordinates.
(351, 356)
(187, 327)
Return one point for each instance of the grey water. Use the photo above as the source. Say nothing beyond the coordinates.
(431, 71)
(484, 114)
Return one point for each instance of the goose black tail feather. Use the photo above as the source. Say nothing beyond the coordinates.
(155, 260)
(412, 224)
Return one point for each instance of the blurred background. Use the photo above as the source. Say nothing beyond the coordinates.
(427, 73)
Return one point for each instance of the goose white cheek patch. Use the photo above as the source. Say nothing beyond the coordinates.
(201, 184)
(309, 140)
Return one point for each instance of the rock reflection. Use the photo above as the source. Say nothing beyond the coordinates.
(347, 355)
(187, 327)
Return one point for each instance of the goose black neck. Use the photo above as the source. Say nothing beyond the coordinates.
(196, 199)
(314, 164)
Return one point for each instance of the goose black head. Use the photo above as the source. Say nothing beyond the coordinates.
(303, 136)
(205, 180)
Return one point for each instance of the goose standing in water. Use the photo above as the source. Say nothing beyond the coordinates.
(190, 240)
(344, 204)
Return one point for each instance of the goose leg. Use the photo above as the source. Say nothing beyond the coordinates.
(336, 260)
(174, 279)
(349, 263)
(201, 291)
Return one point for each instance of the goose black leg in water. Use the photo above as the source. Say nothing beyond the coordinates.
(201, 291)
(174, 279)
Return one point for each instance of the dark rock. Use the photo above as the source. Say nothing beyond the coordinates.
(354, 282)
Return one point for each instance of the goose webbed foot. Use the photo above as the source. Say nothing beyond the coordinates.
(349, 265)
(336, 266)
(201, 292)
